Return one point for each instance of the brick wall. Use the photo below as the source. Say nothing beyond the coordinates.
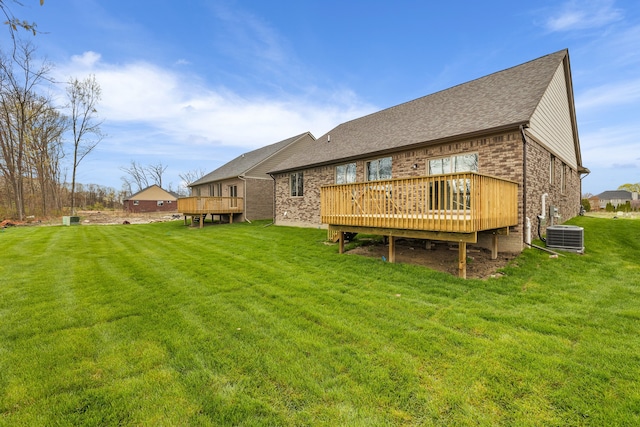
(259, 199)
(499, 155)
(150, 206)
(566, 200)
(302, 211)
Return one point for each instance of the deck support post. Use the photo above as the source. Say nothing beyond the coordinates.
(341, 242)
(185, 220)
(462, 260)
(202, 220)
(230, 218)
(494, 246)
(392, 249)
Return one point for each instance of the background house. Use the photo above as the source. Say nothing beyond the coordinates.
(151, 199)
(594, 203)
(518, 125)
(246, 178)
(616, 198)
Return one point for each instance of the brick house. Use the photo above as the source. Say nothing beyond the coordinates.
(517, 125)
(244, 183)
(151, 199)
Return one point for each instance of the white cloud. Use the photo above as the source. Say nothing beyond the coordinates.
(619, 93)
(87, 60)
(610, 146)
(580, 15)
(180, 107)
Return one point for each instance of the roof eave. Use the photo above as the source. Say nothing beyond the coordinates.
(443, 140)
(211, 181)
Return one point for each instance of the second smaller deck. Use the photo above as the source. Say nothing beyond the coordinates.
(201, 206)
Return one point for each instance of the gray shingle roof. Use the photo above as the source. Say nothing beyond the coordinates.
(615, 195)
(243, 164)
(502, 99)
(135, 195)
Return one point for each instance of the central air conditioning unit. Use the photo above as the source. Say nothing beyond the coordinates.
(565, 238)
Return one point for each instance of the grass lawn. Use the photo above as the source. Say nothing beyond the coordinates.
(243, 324)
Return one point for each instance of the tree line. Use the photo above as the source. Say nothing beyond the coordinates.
(41, 142)
(37, 136)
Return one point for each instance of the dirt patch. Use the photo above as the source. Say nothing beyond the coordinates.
(100, 217)
(121, 217)
(440, 256)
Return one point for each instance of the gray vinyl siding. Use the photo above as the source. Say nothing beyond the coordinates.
(551, 121)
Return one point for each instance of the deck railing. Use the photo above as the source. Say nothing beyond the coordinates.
(197, 205)
(457, 203)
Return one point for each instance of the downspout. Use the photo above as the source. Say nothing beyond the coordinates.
(527, 221)
(274, 200)
(244, 199)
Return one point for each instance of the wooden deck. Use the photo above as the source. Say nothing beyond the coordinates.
(201, 206)
(452, 207)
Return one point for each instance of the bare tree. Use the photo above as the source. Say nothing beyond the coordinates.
(191, 176)
(126, 186)
(84, 96)
(19, 109)
(15, 23)
(44, 153)
(143, 175)
(137, 174)
(156, 172)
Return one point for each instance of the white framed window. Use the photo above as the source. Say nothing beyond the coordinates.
(552, 169)
(452, 193)
(379, 169)
(346, 174)
(454, 164)
(297, 184)
(160, 203)
(136, 202)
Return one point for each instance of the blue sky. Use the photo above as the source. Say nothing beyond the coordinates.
(195, 83)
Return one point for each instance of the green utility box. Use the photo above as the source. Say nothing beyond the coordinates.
(70, 220)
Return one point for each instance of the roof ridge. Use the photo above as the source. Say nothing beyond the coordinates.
(234, 167)
(565, 50)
